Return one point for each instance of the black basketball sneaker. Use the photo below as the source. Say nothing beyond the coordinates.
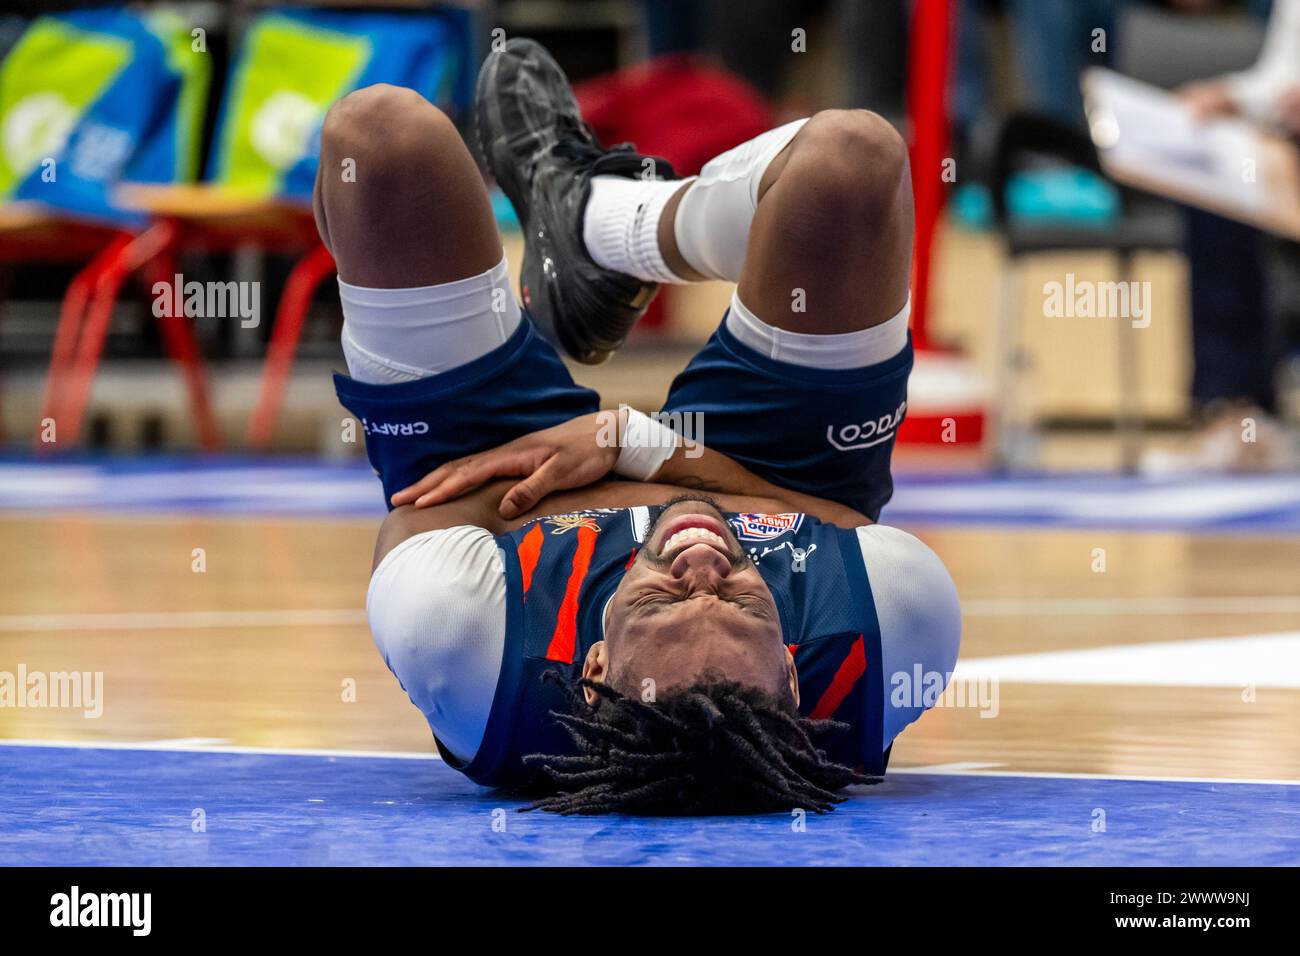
(532, 139)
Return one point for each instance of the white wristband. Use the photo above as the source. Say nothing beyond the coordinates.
(644, 446)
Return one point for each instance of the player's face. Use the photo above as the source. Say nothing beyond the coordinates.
(693, 601)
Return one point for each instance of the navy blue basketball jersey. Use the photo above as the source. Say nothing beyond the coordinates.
(561, 571)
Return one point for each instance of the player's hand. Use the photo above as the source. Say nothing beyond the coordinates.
(1208, 99)
(570, 455)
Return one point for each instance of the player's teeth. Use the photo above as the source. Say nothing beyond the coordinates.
(691, 535)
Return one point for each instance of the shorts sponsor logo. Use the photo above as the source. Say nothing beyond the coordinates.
(873, 431)
(761, 527)
(395, 429)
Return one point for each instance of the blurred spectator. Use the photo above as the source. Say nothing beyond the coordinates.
(755, 39)
(1268, 91)
(675, 26)
(1054, 40)
(1234, 347)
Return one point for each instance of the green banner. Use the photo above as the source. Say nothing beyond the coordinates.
(288, 77)
(47, 82)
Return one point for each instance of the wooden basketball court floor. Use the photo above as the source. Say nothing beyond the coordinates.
(1129, 691)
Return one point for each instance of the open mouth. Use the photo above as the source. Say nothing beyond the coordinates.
(689, 530)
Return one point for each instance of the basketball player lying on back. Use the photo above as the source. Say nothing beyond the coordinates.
(592, 606)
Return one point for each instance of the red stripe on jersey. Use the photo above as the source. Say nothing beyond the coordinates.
(850, 672)
(630, 560)
(530, 549)
(566, 622)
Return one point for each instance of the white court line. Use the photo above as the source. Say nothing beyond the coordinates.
(960, 766)
(169, 620)
(1043, 607)
(957, 770)
(318, 617)
(1241, 661)
(177, 742)
(964, 769)
(188, 745)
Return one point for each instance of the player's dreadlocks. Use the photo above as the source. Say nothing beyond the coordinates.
(716, 746)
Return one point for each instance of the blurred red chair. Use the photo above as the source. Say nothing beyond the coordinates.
(292, 65)
(89, 97)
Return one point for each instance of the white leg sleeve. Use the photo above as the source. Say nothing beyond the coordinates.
(714, 216)
(399, 335)
(836, 350)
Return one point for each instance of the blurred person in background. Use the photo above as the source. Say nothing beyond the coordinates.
(1235, 347)
(1052, 40)
(755, 39)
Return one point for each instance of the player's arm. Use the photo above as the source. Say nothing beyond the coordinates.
(584, 450)
(919, 615)
(479, 510)
(437, 612)
(703, 469)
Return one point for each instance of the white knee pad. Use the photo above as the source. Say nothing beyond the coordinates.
(399, 335)
(713, 219)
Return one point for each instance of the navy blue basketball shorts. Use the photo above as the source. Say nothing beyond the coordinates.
(823, 432)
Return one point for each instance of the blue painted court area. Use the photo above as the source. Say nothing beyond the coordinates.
(1259, 504)
(62, 806)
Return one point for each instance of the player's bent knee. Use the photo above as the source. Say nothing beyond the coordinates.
(852, 159)
(385, 131)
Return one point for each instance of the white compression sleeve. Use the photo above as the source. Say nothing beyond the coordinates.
(437, 611)
(919, 615)
(838, 350)
(714, 216)
(399, 335)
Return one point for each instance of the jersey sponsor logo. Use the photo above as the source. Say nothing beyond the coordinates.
(798, 556)
(560, 524)
(585, 518)
(751, 526)
(873, 431)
